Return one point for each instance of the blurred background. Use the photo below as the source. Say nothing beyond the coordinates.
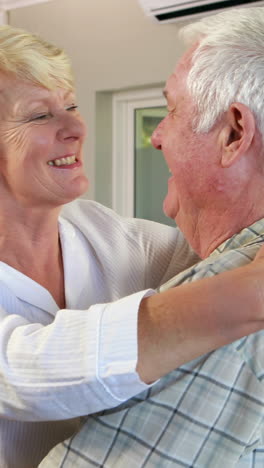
(121, 59)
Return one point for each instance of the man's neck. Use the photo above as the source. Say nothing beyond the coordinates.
(211, 229)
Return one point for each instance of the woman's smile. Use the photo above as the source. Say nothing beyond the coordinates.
(64, 161)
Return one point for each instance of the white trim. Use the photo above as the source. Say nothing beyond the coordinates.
(13, 4)
(6, 5)
(3, 17)
(124, 105)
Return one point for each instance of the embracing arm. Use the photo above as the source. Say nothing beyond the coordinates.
(80, 363)
(187, 321)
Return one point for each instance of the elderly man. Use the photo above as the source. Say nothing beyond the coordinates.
(208, 413)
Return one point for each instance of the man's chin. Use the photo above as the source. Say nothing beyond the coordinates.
(170, 209)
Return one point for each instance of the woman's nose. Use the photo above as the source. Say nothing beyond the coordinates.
(157, 136)
(72, 126)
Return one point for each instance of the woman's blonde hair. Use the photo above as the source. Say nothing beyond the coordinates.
(29, 57)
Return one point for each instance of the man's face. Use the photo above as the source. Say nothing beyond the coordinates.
(192, 158)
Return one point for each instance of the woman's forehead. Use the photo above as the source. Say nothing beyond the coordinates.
(18, 97)
(14, 89)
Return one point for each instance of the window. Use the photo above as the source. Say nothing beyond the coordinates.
(140, 173)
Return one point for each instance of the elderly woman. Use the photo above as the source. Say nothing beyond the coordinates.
(69, 345)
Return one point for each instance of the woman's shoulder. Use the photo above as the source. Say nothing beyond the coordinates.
(82, 211)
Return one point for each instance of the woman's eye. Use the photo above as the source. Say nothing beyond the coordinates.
(47, 115)
(71, 108)
(40, 117)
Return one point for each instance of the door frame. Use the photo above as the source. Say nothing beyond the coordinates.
(123, 150)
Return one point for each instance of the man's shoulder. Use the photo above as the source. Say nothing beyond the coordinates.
(218, 262)
(228, 259)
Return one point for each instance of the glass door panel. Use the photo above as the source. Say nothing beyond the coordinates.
(151, 172)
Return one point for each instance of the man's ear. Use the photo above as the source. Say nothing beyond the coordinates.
(237, 134)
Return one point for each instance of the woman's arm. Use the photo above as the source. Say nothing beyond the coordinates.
(83, 362)
(185, 322)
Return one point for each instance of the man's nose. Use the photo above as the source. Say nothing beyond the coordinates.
(156, 138)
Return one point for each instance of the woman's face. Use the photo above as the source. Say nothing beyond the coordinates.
(41, 139)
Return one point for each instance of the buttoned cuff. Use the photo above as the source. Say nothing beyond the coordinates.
(118, 347)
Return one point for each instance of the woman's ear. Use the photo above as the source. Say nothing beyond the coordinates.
(237, 134)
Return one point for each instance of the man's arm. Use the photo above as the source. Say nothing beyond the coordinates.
(185, 322)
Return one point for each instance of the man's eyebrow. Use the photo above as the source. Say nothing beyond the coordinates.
(165, 93)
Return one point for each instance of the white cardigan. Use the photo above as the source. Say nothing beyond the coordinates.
(56, 365)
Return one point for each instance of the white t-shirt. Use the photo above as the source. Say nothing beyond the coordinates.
(57, 365)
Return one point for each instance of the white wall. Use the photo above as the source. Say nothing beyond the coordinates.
(112, 46)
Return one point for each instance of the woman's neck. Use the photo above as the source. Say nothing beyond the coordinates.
(30, 243)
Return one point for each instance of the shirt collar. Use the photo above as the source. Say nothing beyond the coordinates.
(26, 289)
(249, 235)
(74, 262)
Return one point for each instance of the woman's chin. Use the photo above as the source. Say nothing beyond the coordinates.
(76, 190)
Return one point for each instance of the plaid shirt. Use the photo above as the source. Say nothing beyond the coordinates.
(206, 414)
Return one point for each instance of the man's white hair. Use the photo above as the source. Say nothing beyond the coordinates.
(227, 65)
